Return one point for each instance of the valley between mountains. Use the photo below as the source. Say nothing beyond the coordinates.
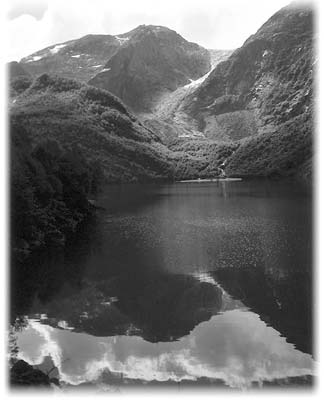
(149, 106)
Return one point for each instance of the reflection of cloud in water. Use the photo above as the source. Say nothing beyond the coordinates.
(39, 342)
(235, 346)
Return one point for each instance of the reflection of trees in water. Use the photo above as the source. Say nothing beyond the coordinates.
(158, 307)
(125, 262)
(166, 306)
(43, 275)
(282, 301)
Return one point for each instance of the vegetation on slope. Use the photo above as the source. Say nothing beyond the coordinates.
(262, 85)
(199, 158)
(66, 139)
(15, 70)
(18, 85)
(79, 59)
(78, 115)
(49, 189)
(280, 153)
(153, 60)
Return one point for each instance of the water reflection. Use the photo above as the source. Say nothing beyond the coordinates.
(236, 347)
(283, 301)
(134, 304)
(176, 282)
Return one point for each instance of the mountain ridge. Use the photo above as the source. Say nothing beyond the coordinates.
(259, 89)
(160, 58)
(153, 60)
(263, 88)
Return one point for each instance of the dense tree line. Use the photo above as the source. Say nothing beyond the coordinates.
(49, 189)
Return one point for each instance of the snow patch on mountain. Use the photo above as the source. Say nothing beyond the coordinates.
(57, 48)
(197, 82)
(169, 103)
(122, 40)
(35, 58)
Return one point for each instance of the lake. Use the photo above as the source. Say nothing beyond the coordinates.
(201, 283)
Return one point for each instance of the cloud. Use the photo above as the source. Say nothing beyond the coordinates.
(35, 8)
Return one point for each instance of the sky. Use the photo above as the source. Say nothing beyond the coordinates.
(219, 24)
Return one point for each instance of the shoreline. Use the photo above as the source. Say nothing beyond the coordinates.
(210, 180)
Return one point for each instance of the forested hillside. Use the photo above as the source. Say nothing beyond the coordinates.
(66, 139)
(263, 92)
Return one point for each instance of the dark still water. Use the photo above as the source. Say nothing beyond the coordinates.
(201, 283)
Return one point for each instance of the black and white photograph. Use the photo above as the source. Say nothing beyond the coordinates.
(161, 197)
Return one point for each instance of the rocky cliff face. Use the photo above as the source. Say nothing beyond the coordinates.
(263, 93)
(153, 60)
(167, 117)
(266, 81)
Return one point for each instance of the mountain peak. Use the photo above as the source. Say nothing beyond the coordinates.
(144, 30)
(153, 60)
(138, 66)
(147, 28)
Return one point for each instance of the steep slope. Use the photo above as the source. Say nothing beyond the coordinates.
(16, 70)
(263, 85)
(285, 151)
(218, 56)
(199, 158)
(66, 139)
(272, 67)
(49, 186)
(95, 122)
(169, 103)
(19, 79)
(153, 60)
(79, 59)
(136, 66)
(167, 118)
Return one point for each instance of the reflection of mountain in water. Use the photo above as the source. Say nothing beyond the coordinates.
(159, 307)
(283, 301)
(156, 305)
(133, 272)
(49, 271)
(136, 282)
(235, 347)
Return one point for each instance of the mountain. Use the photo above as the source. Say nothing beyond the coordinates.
(255, 101)
(137, 66)
(79, 59)
(66, 139)
(152, 61)
(271, 69)
(263, 94)
(251, 115)
(218, 56)
(94, 121)
(19, 79)
(167, 118)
